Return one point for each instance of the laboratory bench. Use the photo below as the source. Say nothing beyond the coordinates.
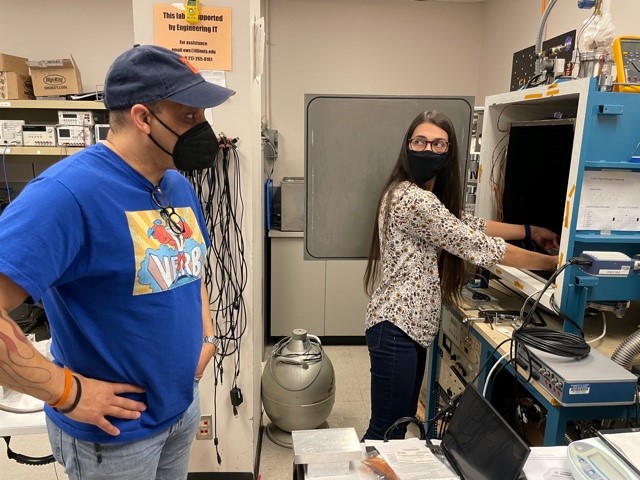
(557, 414)
(22, 423)
(466, 351)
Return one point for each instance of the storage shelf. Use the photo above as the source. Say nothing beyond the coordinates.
(43, 111)
(45, 151)
(53, 104)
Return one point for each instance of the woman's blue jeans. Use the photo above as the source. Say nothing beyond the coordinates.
(397, 370)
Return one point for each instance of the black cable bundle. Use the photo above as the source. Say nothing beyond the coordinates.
(563, 344)
(311, 358)
(225, 271)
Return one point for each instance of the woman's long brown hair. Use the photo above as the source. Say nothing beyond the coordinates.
(447, 188)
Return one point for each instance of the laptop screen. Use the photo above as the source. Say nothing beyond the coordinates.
(481, 443)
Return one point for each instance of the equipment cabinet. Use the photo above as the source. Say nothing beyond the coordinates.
(324, 297)
(604, 143)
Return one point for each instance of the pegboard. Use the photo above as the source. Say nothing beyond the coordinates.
(523, 66)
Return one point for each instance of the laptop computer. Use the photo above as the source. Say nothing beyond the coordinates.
(479, 444)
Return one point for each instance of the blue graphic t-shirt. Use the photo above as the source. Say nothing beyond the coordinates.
(120, 288)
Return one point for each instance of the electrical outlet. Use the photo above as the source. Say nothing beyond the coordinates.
(205, 429)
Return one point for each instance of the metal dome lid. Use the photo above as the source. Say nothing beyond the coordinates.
(297, 361)
(299, 345)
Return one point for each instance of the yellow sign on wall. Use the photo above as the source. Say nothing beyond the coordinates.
(207, 44)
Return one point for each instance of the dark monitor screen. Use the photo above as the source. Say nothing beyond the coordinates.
(536, 173)
(480, 443)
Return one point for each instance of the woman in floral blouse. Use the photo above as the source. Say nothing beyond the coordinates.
(420, 242)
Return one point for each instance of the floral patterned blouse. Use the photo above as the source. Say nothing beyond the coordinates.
(408, 294)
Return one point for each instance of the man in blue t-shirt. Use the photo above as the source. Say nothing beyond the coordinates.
(112, 241)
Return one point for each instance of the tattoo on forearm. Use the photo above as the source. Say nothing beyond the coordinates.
(17, 367)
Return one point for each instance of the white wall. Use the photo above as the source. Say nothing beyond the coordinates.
(93, 31)
(384, 47)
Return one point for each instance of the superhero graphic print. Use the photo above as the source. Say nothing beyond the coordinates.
(164, 259)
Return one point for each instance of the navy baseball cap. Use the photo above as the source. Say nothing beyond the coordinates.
(146, 73)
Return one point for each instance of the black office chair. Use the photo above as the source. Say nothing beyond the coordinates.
(32, 319)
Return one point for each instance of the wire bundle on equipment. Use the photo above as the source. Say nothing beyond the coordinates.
(563, 344)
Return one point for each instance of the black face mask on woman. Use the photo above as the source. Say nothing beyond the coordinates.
(195, 149)
(426, 164)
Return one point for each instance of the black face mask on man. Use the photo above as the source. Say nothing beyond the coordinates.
(195, 149)
(426, 164)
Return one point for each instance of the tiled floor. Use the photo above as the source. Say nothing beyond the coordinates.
(351, 409)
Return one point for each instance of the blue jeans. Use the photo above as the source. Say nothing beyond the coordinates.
(397, 370)
(163, 456)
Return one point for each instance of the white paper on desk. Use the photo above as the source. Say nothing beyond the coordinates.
(548, 463)
(356, 472)
(627, 443)
(412, 460)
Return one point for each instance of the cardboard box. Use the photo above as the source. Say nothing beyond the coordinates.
(15, 86)
(11, 63)
(55, 77)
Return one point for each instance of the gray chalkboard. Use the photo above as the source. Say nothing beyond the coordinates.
(351, 144)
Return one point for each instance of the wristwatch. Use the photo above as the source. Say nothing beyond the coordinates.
(211, 339)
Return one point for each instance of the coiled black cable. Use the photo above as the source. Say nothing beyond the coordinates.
(563, 344)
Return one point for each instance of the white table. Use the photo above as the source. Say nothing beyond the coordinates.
(541, 461)
(22, 423)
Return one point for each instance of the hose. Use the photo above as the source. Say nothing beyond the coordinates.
(540, 34)
(627, 351)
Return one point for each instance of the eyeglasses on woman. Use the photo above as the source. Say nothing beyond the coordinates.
(419, 144)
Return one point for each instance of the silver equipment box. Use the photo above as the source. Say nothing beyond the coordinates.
(292, 214)
(594, 380)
